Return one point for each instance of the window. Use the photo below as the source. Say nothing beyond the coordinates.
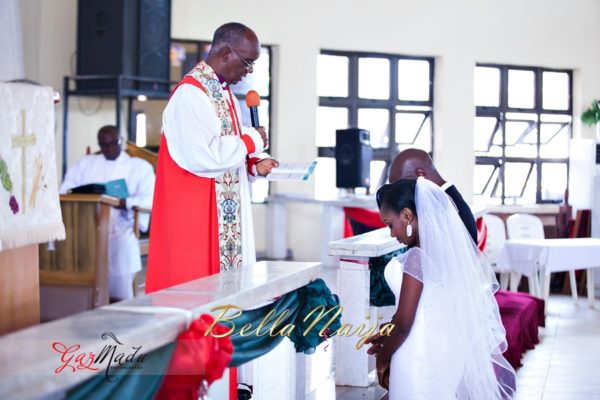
(521, 134)
(391, 96)
(184, 55)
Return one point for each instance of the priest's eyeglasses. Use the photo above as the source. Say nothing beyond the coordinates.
(248, 65)
(117, 142)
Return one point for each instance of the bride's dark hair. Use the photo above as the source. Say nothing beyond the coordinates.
(397, 195)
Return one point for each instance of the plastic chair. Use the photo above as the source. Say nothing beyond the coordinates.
(496, 236)
(524, 226)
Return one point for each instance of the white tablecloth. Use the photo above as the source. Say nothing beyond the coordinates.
(552, 255)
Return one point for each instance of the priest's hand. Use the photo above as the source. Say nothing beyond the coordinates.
(264, 167)
(122, 204)
(263, 135)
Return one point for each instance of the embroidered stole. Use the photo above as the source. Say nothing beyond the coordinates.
(227, 185)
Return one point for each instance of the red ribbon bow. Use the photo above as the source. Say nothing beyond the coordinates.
(196, 358)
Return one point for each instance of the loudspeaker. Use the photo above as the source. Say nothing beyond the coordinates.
(123, 37)
(353, 155)
(154, 42)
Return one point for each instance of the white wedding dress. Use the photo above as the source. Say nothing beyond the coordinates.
(454, 349)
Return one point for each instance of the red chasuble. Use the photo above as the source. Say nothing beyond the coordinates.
(182, 247)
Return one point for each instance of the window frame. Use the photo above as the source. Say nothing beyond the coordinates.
(352, 102)
(500, 113)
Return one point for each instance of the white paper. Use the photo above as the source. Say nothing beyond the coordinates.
(292, 171)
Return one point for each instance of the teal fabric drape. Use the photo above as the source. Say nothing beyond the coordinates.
(256, 344)
(136, 383)
(313, 296)
(298, 304)
(143, 382)
(380, 294)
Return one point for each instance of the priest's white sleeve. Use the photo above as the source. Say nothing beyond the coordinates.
(193, 134)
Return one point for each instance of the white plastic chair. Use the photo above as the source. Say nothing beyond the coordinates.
(496, 236)
(526, 226)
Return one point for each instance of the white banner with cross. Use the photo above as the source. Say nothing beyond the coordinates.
(29, 203)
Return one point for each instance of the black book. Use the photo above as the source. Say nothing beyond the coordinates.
(91, 188)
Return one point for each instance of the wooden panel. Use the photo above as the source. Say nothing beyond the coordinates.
(19, 288)
(103, 221)
(86, 236)
(77, 253)
(82, 258)
(67, 278)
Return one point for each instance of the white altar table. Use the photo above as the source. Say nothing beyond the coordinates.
(332, 220)
(28, 361)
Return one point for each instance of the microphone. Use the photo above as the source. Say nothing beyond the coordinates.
(253, 101)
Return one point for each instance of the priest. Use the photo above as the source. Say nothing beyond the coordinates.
(201, 216)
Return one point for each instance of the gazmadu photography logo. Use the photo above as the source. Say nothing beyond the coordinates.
(113, 355)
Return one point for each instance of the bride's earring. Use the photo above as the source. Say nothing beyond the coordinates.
(408, 230)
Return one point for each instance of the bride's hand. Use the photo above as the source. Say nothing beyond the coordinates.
(376, 342)
(383, 373)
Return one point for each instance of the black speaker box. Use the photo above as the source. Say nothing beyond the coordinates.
(353, 155)
(154, 42)
(123, 37)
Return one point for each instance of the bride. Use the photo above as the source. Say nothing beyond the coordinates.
(448, 339)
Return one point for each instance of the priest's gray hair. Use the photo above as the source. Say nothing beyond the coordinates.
(230, 34)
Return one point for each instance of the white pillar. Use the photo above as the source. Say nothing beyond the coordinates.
(277, 234)
(332, 228)
(352, 365)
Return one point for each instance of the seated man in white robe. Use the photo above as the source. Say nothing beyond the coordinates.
(112, 164)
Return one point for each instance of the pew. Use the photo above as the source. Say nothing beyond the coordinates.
(74, 272)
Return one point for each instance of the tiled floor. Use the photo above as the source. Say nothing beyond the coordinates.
(565, 365)
(373, 392)
(566, 362)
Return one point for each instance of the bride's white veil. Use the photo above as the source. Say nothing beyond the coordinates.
(454, 262)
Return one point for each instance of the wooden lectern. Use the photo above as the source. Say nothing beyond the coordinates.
(74, 272)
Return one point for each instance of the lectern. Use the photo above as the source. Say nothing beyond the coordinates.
(74, 272)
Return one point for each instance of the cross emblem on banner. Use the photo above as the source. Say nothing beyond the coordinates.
(23, 140)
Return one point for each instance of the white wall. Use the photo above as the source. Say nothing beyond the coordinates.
(11, 41)
(548, 33)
